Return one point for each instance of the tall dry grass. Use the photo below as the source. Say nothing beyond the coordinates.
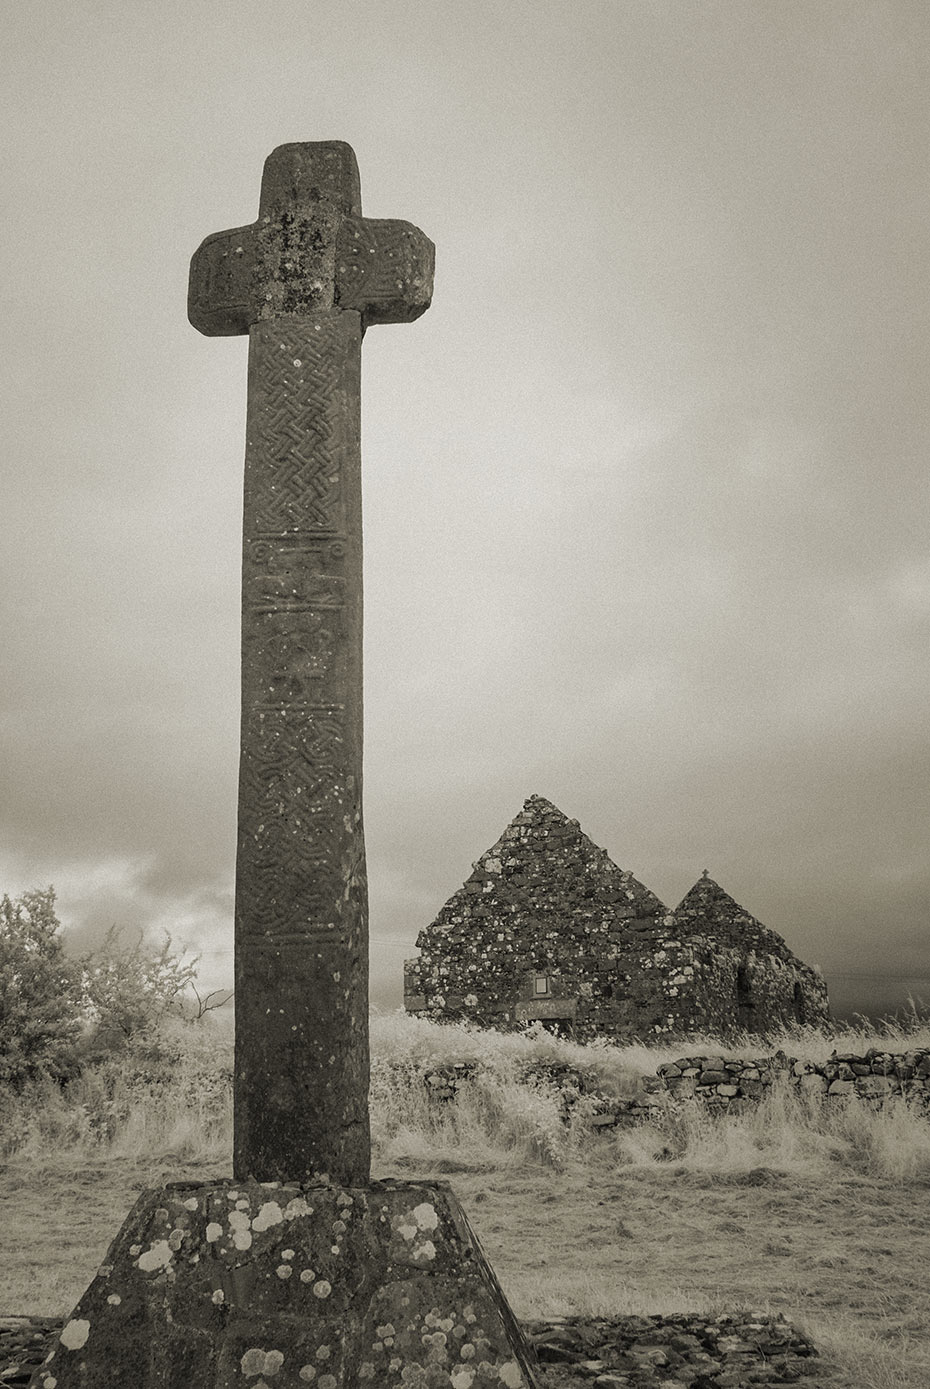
(174, 1096)
(170, 1094)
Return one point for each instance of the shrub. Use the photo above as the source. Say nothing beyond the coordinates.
(40, 992)
(128, 990)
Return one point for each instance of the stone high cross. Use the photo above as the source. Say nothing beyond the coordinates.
(304, 281)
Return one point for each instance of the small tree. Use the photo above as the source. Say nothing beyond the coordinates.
(40, 991)
(128, 990)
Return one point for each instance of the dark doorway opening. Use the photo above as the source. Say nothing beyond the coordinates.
(559, 1027)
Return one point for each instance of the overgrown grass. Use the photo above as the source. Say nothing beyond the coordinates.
(173, 1095)
(787, 1133)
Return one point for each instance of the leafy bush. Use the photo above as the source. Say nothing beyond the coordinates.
(128, 990)
(40, 992)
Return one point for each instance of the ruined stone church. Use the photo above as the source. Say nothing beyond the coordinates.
(547, 928)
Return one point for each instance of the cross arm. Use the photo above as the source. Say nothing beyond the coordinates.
(384, 269)
(219, 300)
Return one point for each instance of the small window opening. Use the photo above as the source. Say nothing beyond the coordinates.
(540, 985)
(744, 999)
(798, 1000)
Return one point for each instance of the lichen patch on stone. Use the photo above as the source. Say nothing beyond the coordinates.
(261, 1362)
(297, 1207)
(158, 1257)
(269, 1214)
(75, 1334)
(425, 1215)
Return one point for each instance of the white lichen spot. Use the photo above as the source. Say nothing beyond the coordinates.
(427, 1250)
(284, 1270)
(135, 1249)
(159, 1256)
(191, 1204)
(297, 1207)
(386, 1330)
(287, 1253)
(261, 1362)
(298, 362)
(322, 1288)
(75, 1334)
(49, 1382)
(467, 1351)
(232, 1196)
(114, 1300)
(463, 1377)
(366, 1370)
(269, 1214)
(218, 1298)
(510, 1375)
(425, 1216)
(407, 1232)
(242, 1239)
(242, 1204)
(307, 1275)
(308, 1373)
(213, 1231)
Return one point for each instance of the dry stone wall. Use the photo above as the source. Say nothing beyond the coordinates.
(722, 1083)
(547, 928)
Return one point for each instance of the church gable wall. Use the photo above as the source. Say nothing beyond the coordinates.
(547, 928)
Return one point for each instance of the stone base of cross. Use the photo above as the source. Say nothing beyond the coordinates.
(299, 1270)
(289, 1285)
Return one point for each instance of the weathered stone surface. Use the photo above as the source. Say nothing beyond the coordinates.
(229, 1284)
(637, 1352)
(548, 929)
(304, 281)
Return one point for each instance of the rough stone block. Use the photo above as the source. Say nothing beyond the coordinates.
(715, 1075)
(875, 1087)
(241, 1285)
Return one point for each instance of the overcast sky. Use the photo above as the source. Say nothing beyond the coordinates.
(646, 490)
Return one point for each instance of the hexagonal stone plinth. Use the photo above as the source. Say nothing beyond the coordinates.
(241, 1285)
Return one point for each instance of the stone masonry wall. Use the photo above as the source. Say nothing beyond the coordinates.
(548, 928)
(543, 902)
(727, 1084)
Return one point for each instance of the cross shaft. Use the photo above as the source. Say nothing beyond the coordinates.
(304, 281)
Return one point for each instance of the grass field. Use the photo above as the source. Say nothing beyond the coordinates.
(821, 1217)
